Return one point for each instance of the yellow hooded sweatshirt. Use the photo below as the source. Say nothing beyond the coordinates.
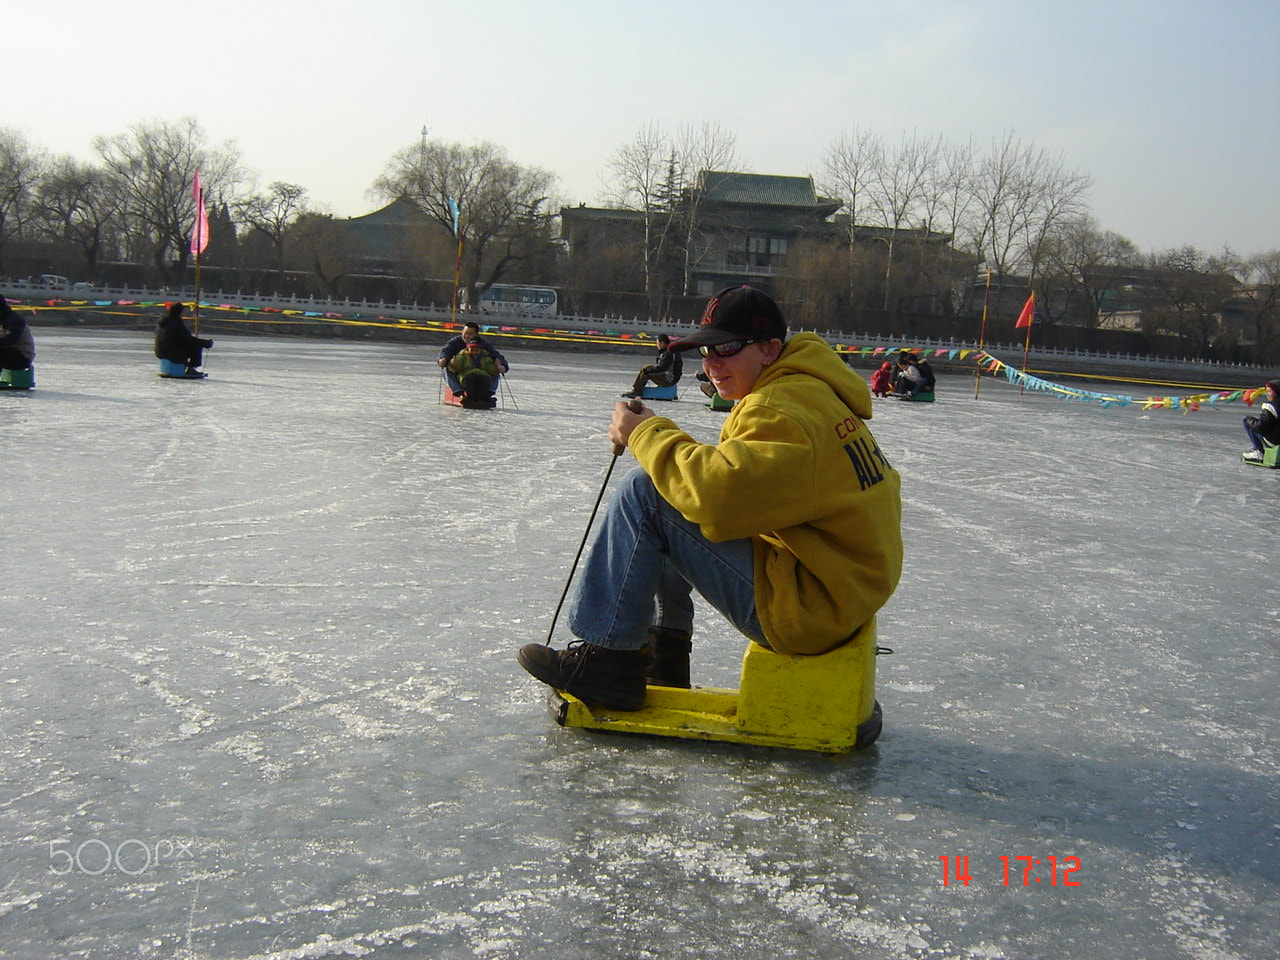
(797, 471)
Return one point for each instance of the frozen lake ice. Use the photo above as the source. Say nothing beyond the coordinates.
(261, 701)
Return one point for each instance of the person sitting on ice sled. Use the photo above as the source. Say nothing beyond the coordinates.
(17, 345)
(1265, 427)
(790, 526)
(175, 343)
(476, 372)
(913, 376)
(456, 345)
(882, 380)
(926, 371)
(665, 370)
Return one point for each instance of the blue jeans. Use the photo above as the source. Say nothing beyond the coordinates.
(1255, 438)
(643, 566)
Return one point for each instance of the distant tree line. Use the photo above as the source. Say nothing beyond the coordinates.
(923, 221)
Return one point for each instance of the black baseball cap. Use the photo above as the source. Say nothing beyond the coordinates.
(736, 313)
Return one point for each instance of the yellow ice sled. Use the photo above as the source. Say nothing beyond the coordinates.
(825, 703)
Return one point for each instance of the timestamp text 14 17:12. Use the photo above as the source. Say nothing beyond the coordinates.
(1049, 871)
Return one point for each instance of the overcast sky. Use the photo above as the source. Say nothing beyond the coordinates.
(1173, 108)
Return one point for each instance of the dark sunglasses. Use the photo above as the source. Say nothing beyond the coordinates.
(729, 349)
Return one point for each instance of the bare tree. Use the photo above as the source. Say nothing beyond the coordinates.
(1021, 196)
(153, 166)
(1057, 205)
(1002, 197)
(705, 147)
(1088, 265)
(946, 210)
(947, 198)
(1261, 293)
(314, 246)
(503, 204)
(660, 175)
(816, 286)
(21, 167)
(77, 204)
(1192, 290)
(899, 193)
(852, 163)
(271, 214)
(643, 173)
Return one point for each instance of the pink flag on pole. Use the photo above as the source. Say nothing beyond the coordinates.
(199, 232)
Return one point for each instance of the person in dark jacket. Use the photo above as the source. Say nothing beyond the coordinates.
(175, 343)
(665, 371)
(456, 345)
(17, 345)
(1264, 428)
(926, 371)
(908, 380)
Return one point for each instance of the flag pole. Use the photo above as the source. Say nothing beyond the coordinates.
(1026, 349)
(456, 213)
(195, 307)
(199, 240)
(982, 338)
(457, 274)
(1025, 319)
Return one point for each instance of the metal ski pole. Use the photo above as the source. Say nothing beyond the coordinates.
(635, 406)
(502, 378)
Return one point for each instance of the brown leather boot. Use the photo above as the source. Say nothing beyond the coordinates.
(669, 657)
(613, 679)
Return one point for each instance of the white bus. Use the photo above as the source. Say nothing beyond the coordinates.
(512, 299)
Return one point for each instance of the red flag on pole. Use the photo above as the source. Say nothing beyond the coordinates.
(1028, 311)
(200, 231)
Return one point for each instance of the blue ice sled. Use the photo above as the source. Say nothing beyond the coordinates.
(654, 392)
(177, 371)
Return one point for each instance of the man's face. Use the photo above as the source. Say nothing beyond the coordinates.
(469, 334)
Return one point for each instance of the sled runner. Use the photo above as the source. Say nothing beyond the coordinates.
(23, 379)
(825, 703)
(924, 396)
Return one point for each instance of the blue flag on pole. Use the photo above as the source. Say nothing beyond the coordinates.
(453, 209)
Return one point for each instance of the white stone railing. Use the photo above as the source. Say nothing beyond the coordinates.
(435, 312)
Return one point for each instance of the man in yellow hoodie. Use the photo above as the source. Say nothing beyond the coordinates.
(790, 526)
